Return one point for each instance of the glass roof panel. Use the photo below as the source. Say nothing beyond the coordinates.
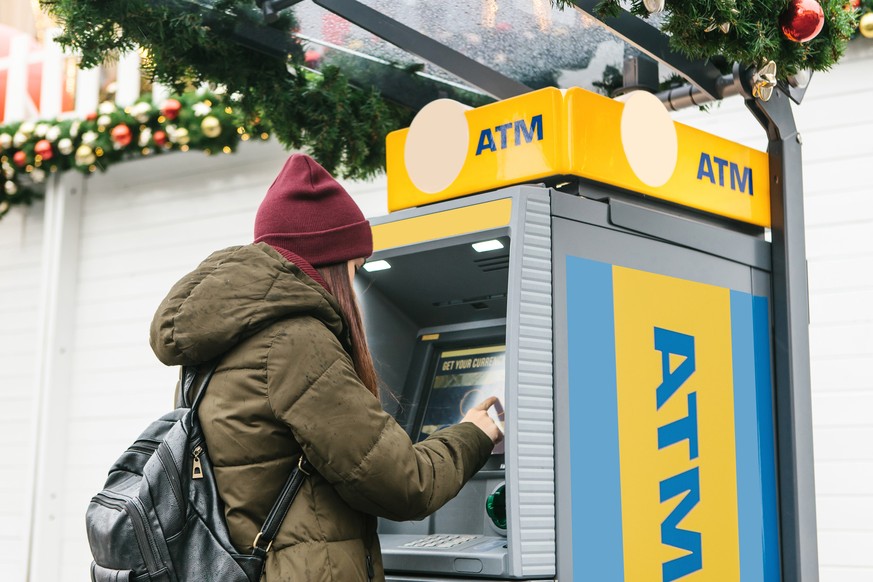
(525, 40)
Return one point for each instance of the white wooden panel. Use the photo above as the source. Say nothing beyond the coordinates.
(831, 208)
(836, 374)
(844, 574)
(846, 513)
(844, 305)
(844, 442)
(845, 408)
(842, 340)
(837, 273)
(844, 479)
(843, 240)
(845, 548)
(20, 253)
(146, 224)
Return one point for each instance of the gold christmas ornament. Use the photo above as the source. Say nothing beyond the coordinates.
(654, 6)
(725, 27)
(865, 27)
(65, 146)
(764, 82)
(181, 137)
(210, 126)
(85, 156)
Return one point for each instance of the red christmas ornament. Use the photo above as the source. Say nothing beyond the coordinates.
(121, 134)
(802, 20)
(43, 149)
(855, 4)
(20, 158)
(170, 109)
(91, 116)
(160, 138)
(311, 57)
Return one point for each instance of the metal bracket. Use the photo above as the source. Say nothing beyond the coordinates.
(638, 33)
(271, 8)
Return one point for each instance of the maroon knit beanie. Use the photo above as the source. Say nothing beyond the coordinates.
(307, 214)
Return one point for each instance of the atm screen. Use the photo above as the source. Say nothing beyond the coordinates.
(462, 379)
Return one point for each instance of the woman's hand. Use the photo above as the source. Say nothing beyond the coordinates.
(478, 415)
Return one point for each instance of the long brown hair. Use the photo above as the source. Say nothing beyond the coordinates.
(337, 278)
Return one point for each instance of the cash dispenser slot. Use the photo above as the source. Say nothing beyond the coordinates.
(436, 321)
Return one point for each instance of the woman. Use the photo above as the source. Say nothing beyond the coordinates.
(295, 376)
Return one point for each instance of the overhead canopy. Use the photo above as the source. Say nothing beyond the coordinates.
(526, 41)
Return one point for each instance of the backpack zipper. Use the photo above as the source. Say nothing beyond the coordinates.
(109, 503)
(166, 459)
(145, 449)
(147, 547)
(141, 527)
(196, 467)
(370, 571)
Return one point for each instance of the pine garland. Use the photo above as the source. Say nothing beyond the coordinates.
(186, 44)
(197, 120)
(754, 37)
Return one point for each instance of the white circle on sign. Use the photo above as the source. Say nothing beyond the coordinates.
(436, 145)
(648, 137)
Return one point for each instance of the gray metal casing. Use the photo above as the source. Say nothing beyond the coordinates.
(546, 227)
(529, 467)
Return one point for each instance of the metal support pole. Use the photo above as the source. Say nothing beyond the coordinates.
(790, 341)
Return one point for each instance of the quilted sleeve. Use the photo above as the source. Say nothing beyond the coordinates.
(354, 444)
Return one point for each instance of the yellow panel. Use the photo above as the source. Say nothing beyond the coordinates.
(467, 219)
(531, 146)
(474, 351)
(430, 337)
(712, 174)
(552, 134)
(643, 302)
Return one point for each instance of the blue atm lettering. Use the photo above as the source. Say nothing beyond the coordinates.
(498, 138)
(711, 165)
(687, 483)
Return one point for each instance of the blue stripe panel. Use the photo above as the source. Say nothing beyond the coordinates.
(756, 493)
(763, 382)
(598, 552)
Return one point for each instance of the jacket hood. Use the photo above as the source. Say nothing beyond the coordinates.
(232, 295)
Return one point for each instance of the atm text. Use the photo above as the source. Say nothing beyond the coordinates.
(498, 138)
(687, 482)
(709, 165)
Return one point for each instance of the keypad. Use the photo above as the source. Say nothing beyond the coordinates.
(440, 541)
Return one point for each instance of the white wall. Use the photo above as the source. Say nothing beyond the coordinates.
(143, 225)
(20, 260)
(836, 123)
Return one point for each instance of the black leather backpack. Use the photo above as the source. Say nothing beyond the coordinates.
(159, 516)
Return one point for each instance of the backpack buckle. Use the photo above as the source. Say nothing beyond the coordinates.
(257, 539)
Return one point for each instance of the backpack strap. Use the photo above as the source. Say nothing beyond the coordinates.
(189, 374)
(264, 539)
(186, 380)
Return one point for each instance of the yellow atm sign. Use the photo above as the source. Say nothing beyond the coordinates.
(672, 451)
(552, 134)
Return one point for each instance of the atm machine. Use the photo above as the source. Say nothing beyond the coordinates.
(620, 313)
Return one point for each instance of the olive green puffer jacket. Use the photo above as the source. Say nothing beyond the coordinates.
(286, 384)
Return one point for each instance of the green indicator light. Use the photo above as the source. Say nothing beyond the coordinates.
(495, 507)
